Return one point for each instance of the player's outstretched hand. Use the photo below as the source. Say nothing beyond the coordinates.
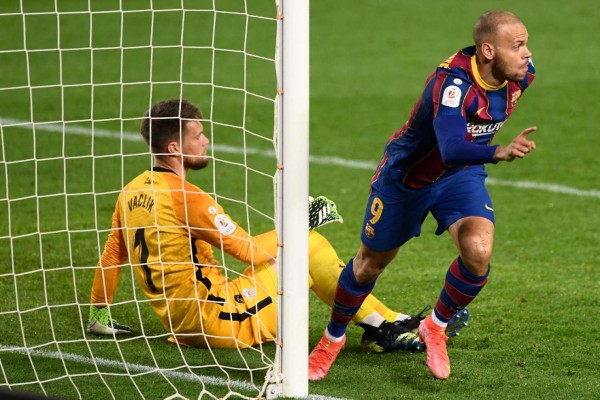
(100, 323)
(322, 211)
(518, 148)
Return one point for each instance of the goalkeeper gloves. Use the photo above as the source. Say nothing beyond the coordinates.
(322, 211)
(100, 323)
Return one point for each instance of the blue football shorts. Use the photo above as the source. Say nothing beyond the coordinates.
(395, 212)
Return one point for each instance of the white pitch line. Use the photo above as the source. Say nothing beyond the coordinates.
(136, 368)
(139, 368)
(323, 160)
(545, 187)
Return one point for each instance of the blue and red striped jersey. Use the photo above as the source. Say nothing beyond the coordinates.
(412, 154)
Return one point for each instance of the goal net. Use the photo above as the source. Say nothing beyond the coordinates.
(76, 77)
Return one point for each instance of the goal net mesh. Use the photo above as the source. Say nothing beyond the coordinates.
(76, 77)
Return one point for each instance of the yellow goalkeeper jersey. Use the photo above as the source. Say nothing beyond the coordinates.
(165, 228)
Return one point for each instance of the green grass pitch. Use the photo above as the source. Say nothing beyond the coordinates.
(534, 329)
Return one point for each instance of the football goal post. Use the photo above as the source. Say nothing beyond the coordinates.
(76, 77)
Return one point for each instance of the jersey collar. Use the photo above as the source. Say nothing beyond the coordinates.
(162, 169)
(480, 80)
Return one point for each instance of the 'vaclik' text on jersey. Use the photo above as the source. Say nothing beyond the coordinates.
(141, 200)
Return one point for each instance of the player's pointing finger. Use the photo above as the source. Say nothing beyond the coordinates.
(528, 131)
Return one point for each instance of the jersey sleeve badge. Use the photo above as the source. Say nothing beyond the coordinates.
(451, 96)
(224, 224)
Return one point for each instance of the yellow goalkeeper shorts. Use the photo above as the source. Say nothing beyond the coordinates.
(236, 314)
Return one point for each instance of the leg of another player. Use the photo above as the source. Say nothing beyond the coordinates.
(466, 276)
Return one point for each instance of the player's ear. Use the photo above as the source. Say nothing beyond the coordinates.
(173, 147)
(488, 51)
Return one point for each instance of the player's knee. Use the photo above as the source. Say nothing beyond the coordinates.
(477, 258)
(475, 239)
(368, 272)
(368, 265)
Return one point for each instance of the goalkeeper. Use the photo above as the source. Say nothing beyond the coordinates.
(165, 228)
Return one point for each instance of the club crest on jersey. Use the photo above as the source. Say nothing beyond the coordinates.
(224, 224)
(451, 96)
(515, 97)
(369, 231)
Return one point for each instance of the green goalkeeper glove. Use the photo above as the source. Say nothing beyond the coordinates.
(322, 211)
(100, 323)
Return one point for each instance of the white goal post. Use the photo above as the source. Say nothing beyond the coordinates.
(76, 77)
(294, 184)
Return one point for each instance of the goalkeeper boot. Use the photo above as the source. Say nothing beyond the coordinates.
(412, 322)
(322, 211)
(389, 336)
(457, 322)
(435, 339)
(322, 357)
(100, 323)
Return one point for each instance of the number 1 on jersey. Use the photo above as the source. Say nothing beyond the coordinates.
(140, 240)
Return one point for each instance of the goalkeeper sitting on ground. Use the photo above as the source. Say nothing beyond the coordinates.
(165, 227)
